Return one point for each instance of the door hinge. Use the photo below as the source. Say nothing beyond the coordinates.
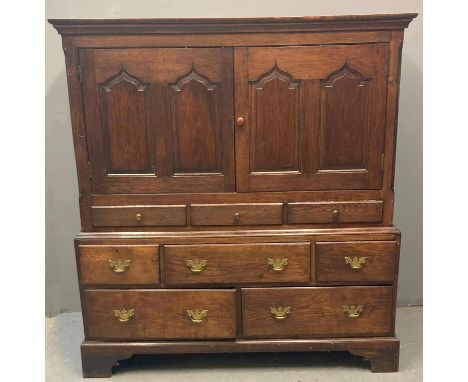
(382, 161)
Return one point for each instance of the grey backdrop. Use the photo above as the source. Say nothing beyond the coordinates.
(62, 215)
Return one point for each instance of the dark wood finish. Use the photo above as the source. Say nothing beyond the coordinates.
(79, 130)
(335, 212)
(232, 39)
(128, 216)
(241, 236)
(160, 314)
(382, 360)
(143, 267)
(379, 266)
(236, 214)
(317, 312)
(100, 357)
(248, 198)
(234, 141)
(153, 95)
(97, 365)
(220, 25)
(331, 97)
(233, 264)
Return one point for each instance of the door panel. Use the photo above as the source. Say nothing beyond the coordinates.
(195, 131)
(128, 150)
(344, 124)
(275, 101)
(315, 117)
(159, 120)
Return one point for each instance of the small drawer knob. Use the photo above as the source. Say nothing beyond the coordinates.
(139, 217)
(336, 214)
(124, 315)
(197, 315)
(240, 121)
(237, 216)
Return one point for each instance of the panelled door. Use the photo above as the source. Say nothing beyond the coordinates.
(159, 119)
(310, 118)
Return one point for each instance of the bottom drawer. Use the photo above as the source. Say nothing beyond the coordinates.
(159, 314)
(317, 312)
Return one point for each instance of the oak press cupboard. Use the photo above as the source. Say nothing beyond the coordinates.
(236, 185)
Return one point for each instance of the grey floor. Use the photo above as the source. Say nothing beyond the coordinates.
(64, 334)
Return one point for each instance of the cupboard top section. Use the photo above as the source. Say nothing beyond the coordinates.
(232, 25)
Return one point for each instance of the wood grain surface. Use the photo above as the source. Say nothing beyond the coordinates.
(233, 264)
(317, 312)
(95, 269)
(160, 314)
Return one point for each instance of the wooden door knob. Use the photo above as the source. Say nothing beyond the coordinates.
(240, 121)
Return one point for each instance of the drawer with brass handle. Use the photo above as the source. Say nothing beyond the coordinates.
(347, 311)
(232, 264)
(118, 264)
(359, 262)
(144, 314)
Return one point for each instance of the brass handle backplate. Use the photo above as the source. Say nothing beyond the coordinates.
(197, 315)
(240, 121)
(353, 311)
(278, 264)
(355, 262)
(124, 315)
(119, 266)
(280, 313)
(196, 265)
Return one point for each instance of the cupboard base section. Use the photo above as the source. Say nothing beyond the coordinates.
(99, 358)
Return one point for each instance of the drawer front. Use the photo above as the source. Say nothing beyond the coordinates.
(160, 314)
(335, 212)
(317, 312)
(237, 214)
(128, 216)
(237, 263)
(364, 261)
(119, 265)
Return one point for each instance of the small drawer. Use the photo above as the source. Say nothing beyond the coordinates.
(159, 314)
(128, 216)
(317, 312)
(369, 211)
(237, 214)
(119, 265)
(360, 262)
(237, 263)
